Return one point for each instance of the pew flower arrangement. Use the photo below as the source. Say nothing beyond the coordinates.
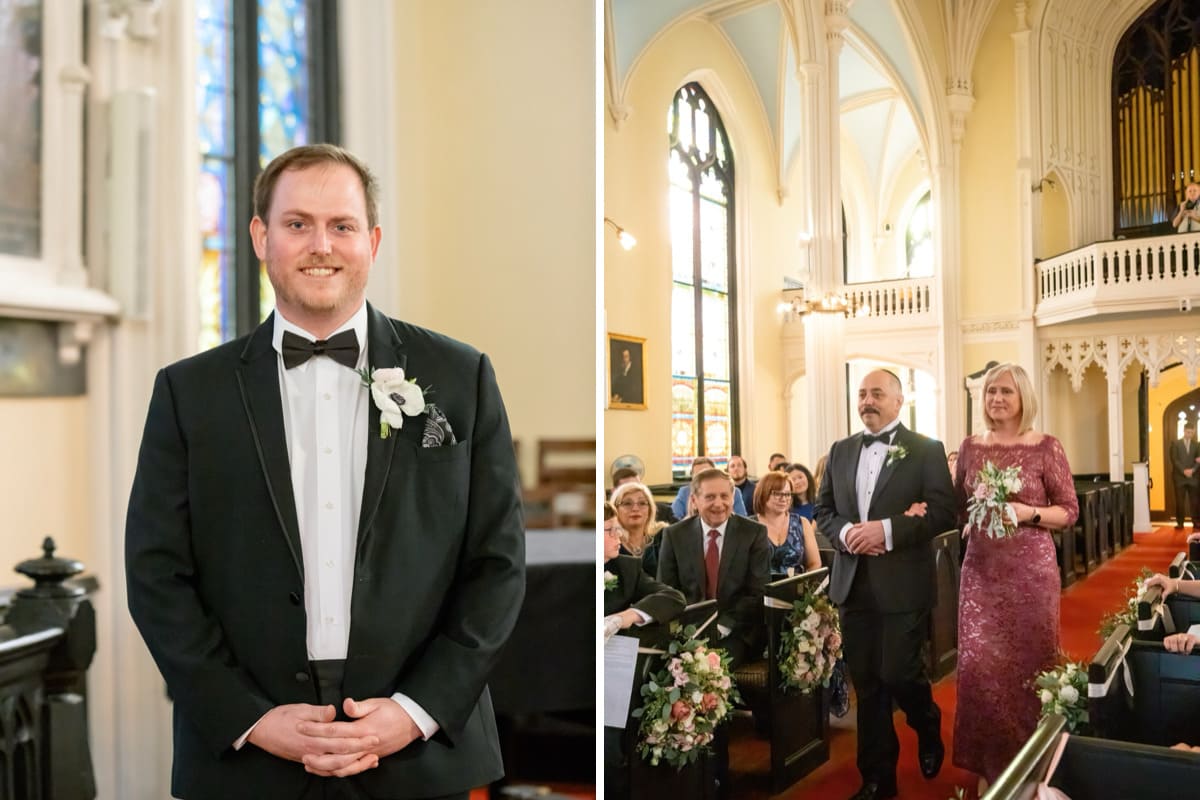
(1063, 690)
(811, 643)
(684, 702)
(1127, 615)
(988, 510)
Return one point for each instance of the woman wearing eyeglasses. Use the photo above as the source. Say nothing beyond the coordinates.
(792, 537)
(636, 514)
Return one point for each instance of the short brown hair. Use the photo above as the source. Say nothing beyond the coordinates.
(707, 475)
(771, 482)
(310, 155)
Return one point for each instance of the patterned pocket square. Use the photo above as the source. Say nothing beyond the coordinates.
(437, 428)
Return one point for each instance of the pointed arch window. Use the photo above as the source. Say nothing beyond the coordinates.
(704, 399)
(267, 71)
(918, 239)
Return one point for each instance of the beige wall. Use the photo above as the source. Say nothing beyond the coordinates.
(1079, 419)
(44, 477)
(498, 197)
(1054, 233)
(989, 209)
(637, 283)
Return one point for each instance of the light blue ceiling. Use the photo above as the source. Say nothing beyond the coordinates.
(636, 22)
(879, 23)
(757, 35)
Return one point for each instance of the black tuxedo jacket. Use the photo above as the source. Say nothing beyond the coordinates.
(743, 572)
(636, 589)
(215, 582)
(1184, 457)
(903, 579)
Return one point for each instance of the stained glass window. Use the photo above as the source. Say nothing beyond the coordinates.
(260, 72)
(21, 133)
(703, 324)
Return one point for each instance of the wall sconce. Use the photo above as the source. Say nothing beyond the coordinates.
(626, 238)
(1044, 183)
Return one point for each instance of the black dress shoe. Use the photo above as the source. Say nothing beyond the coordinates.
(930, 753)
(874, 791)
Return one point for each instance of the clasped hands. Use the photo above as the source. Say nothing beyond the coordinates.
(867, 538)
(309, 735)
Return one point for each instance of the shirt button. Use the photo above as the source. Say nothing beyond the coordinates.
(329, 620)
(329, 563)
(328, 396)
(328, 450)
(329, 506)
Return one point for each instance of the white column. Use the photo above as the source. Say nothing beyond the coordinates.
(824, 354)
(1024, 120)
(1116, 412)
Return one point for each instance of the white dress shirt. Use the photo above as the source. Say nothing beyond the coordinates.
(870, 464)
(325, 422)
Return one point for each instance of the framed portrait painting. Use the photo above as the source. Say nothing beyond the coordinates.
(626, 371)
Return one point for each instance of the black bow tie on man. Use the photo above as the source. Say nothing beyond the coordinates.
(869, 439)
(341, 347)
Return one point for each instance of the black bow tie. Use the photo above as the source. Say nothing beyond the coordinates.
(341, 347)
(871, 438)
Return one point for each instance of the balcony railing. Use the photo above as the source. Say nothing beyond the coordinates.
(1128, 275)
(907, 299)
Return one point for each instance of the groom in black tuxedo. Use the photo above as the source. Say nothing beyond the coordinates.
(885, 495)
(323, 572)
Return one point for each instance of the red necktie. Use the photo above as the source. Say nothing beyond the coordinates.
(712, 563)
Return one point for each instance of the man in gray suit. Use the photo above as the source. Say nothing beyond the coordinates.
(885, 495)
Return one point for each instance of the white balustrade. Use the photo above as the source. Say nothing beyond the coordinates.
(907, 298)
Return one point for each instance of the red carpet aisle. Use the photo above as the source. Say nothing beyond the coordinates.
(1083, 604)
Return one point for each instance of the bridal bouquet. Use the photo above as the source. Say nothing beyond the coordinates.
(684, 702)
(988, 509)
(811, 643)
(1063, 690)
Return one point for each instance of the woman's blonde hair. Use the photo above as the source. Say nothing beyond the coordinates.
(1029, 405)
(652, 525)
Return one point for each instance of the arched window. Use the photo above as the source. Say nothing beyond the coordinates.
(703, 322)
(265, 72)
(918, 240)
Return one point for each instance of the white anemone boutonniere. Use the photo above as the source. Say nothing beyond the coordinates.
(896, 452)
(610, 581)
(395, 396)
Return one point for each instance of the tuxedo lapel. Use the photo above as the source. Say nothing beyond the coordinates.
(849, 481)
(886, 472)
(258, 380)
(384, 350)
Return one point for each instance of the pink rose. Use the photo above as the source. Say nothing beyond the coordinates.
(709, 702)
(714, 660)
(679, 710)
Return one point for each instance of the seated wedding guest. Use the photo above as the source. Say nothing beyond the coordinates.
(631, 597)
(819, 472)
(1176, 642)
(625, 475)
(776, 461)
(719, 555)
(792, 538)
(636, 515)
(804, 490)
(1187, 217)
(741, 480)
(680, 506)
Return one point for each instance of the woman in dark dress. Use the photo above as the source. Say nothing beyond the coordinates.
(804, 490)
(636, 511)
(1009, 591)
(792, 537)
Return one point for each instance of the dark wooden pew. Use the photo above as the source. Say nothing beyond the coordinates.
(942, 653)
(1184, 613)
(647, 782)
(1096, 769)
(1087, 530)
(1164, 707)
(796, 723)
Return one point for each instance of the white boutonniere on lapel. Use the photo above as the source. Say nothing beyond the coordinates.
(395, 396)
(895, 452)
(610, 581)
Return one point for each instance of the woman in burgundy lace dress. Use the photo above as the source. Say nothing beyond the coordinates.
(1009, 592)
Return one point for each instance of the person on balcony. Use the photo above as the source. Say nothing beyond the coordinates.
(1187, 219)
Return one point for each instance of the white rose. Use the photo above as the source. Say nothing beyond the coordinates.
(1047, 697)
(395, 396)
(1068, 694)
